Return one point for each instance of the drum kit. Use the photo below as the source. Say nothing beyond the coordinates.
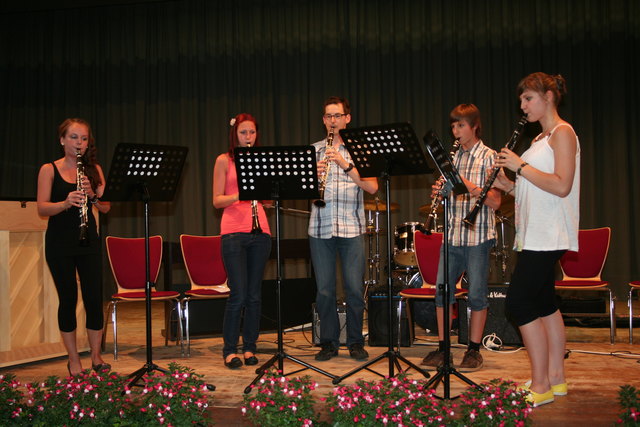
(404, 265)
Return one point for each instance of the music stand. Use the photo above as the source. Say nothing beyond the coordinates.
(453, 182)
(384, 151)
(145, 172)
(277, 173)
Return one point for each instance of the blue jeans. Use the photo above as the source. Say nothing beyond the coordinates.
(475, 261)
(244, 256)
(323, 256)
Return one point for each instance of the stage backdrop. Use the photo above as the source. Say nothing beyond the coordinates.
(175, 72)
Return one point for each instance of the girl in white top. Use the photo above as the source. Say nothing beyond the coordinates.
(547, 189)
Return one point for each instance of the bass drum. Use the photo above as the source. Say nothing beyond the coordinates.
(423, 311)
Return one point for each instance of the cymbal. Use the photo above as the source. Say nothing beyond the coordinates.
(426, 209)
(507, 205)
(372, 205)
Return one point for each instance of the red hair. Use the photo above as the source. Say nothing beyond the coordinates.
(233, 132)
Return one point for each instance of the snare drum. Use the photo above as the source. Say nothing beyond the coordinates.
(406, 278)
(405, 253)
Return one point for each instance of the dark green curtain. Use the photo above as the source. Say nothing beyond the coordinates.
(175, 72)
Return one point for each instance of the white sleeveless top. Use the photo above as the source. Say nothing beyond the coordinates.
(546, 222)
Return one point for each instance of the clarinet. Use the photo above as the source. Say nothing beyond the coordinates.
(435, 202)
(83, 210)
(322, 182)
(470, 219)
(255, 220)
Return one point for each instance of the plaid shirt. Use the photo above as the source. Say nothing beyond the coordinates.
(472, 164)
(343, 216)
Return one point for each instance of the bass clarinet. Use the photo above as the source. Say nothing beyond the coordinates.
(84, 209)
(470, 219)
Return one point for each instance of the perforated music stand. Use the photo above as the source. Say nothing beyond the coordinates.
(453, 182)
(145, 172)
(278, 173)
(384, 151)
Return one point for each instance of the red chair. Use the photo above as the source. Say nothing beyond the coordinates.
(203, 260)
(427, 247)
(633, 287)
(582, 270)
(128, 265)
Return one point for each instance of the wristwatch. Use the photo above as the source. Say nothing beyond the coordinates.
(519, 171)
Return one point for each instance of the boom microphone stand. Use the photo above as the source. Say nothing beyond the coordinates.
(385, 151)
(453, 183)
(276, 173)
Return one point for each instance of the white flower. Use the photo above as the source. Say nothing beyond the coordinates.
(232, 122)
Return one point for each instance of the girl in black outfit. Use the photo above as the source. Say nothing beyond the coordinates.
(60, 200)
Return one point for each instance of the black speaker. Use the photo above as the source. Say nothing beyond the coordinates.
(342, 318)
(497, 322)
(296, 297)
(378, 321)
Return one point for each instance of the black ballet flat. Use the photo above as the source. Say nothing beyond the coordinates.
(250, 361)
(234, 363)
(101, 367)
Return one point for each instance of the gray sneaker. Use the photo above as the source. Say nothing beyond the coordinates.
(472, 361)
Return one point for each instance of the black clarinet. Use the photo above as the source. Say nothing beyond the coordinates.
(470, 219)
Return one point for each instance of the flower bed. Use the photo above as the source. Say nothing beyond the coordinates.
(397, 401)
(176, 398)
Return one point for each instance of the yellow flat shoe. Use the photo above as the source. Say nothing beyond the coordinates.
(558, 389)
(539, 399)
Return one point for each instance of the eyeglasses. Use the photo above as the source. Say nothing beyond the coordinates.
(336, 116)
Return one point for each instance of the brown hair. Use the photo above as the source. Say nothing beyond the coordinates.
(337, 100)
(542, 82)
(90, 156)
(470, 113)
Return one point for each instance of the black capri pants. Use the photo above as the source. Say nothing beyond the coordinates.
(531, 294)
(63, 270)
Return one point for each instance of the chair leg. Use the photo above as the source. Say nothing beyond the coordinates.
(114, 320)
(612, 317)
(180, 325)
(103, 344)
(399, 331)
(630, 303)
(468, 322)
(185, 313)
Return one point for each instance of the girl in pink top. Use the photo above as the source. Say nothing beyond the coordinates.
(245, 248)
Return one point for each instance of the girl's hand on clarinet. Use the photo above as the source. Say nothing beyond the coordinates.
(502, 182)
(74, 198)
(508, 159)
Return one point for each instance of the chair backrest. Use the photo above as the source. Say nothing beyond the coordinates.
(427, 247)
(588, 262)
(203, 260)
(127, 260)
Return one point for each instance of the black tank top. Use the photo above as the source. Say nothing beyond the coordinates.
(63, 229)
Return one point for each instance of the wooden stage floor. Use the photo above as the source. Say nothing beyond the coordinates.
(595, 368)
